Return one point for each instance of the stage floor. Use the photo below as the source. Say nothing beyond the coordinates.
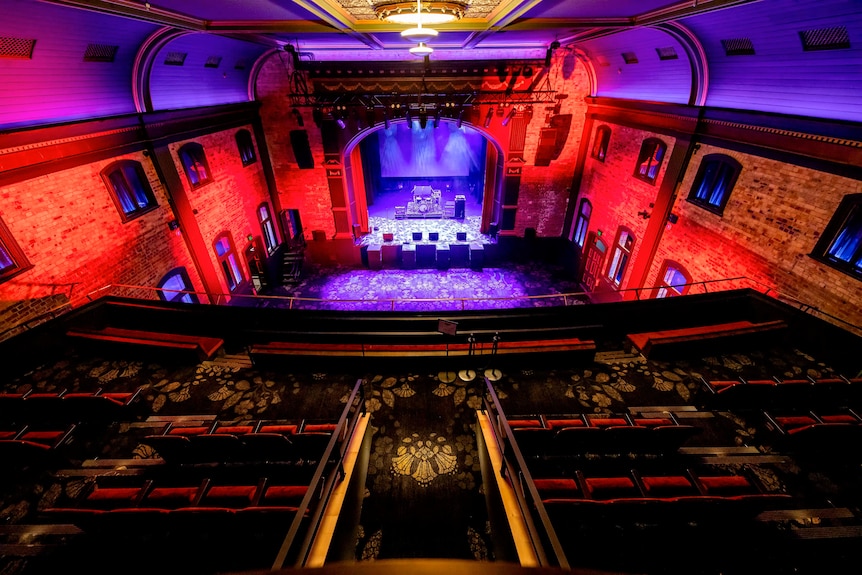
(381, 219)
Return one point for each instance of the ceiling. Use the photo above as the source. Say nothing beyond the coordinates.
(350, 29)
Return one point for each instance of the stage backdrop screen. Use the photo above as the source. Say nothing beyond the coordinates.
(445, 151)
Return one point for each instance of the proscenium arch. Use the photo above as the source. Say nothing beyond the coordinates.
(143, 66)
(492, 197)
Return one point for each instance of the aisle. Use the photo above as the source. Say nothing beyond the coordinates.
(422, 492)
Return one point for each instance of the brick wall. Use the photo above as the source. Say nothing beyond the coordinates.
(71, 232)
(230, 201)
(772, 220)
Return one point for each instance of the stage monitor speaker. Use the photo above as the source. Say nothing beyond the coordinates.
(318, 235)
(388, 236)
(460, 207)
(530, 233)
(417, 236)
(493, 229)
(433, 236)
(462, 236)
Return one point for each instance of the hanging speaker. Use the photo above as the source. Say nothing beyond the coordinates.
(301, 149)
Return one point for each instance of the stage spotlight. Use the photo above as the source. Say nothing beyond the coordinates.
(369, 117)
(508, 117)
(409, 117)
(460, 116)
(340, 122)
(386, 118)
(489, 116)
(437, 117)
(423, 119)
(554, 45)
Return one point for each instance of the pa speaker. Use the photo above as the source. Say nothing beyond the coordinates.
(417, 236)
(301, 149)
(462, 236)
(433, 236)
(388, 237)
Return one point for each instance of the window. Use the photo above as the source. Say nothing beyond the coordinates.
(195, 164)
(583, 222)
(840, 246)
(674, 280)
(12, 259)
(226, 253)
(246, 147)
(129, 188)
(649, 160)
(714, 182)
(621, 255)
(173, 285)
(600, 144)
(267, 227)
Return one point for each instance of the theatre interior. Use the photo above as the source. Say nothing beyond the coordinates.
(431, 286)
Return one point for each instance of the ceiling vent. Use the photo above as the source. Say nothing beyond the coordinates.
(175, 58)
(630, 57)
(602, 61)
(240, 65)
(100, 53)
(738, 47)
(825, 39)
(18, 48)
(213, 62)
(668, 53)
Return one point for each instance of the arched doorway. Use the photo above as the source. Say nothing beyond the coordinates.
(390, 159)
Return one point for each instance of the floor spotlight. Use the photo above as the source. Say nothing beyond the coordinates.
(460, 116)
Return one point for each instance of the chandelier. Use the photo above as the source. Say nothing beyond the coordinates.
(430, 12)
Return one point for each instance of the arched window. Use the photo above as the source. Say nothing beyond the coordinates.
(129, 188)
(600, 143)
(226, 253)
(650, 159)
(12, 259)
(674, 280)
(620, 256)
(267, 227)
(195, 164)
(174, 284)
(245, 145)
(714, 181)
(583, 222)
(840, 245)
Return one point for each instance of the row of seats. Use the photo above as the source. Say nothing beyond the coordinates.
(302, 444)
(32, 444)
(821, 432)
(757, 394)
(166, 505)
(549, 437)
(671, 495)
(65, 406)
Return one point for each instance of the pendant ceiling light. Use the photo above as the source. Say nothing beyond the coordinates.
(431, 12)
(419, 34)
(421, 49)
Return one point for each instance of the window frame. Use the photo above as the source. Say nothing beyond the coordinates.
(667, 289)
(187, 283)
(582, 223)
(730, 177)
(599, 151)
(228, 261)
(120, 167)
(646, 155)
(10, 248)
(848, 210)
(267, 228)
(616, 268)
(245, 147)
(195, 153)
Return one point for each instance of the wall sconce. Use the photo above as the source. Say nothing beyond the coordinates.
(672, 218)
(644, 214)
(173, 225)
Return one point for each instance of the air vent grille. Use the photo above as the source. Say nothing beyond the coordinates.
(240, 65)
(100, 53)
(738, 47)
(175, 58)
(18, 48)
(668, 53)
(825, 39)
(630, 57)
(213, 62)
